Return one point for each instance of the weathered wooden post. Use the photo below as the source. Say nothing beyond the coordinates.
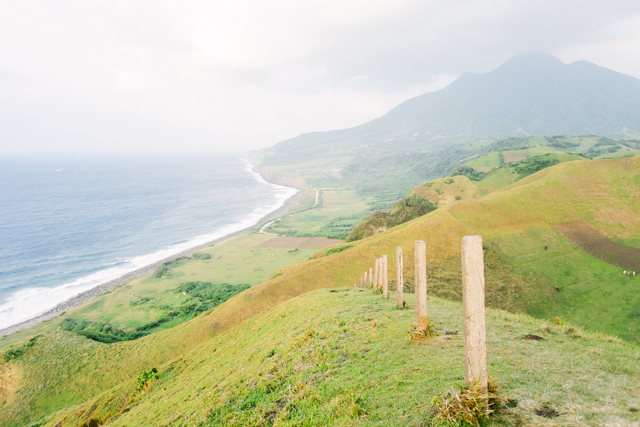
(385, 278)
(399, 278)
(360, 283)
(475, 334)
(376, 276)
(364, 285)
(420, 260)
(379, 274)
(370, 277)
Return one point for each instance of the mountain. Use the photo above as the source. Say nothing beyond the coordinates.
(529, 94)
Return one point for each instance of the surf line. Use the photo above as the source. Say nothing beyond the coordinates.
(285, 199)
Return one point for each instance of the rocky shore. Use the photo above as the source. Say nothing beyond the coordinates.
(87, 296)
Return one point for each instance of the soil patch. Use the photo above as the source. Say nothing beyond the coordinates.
(514, 156)
(595, 243)
(533, 337)
(547, 411)
(319, 243)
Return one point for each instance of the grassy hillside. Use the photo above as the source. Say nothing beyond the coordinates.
(468, 181)
(346, 358)
(527, 258)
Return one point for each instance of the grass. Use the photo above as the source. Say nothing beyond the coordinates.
(516, 224)
(338, 212)
(233, 261)
(346, 358)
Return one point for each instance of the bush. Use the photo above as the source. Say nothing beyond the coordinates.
(467, 171)
(161, 270)
(15, 351)
(532, 165)
(146, 378)
(337, 249)
(404, 210)
(201, 256)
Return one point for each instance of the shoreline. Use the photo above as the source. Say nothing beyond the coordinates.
(100, 289)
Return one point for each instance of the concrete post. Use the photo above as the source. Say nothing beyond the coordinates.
(385, 278)
(399, 279)
(475, 334)
(420, 259)
(376, 275)
(370, 277)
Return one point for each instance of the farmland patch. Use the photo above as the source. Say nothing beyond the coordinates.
(595, 243)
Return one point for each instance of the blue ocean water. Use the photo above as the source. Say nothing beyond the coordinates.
(69, 223)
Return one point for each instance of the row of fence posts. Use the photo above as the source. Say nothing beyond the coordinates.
(475, 341)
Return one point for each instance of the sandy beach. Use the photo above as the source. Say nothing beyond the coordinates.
(87, 296)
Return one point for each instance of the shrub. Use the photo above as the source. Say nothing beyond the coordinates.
(337, 249)
(161, 270)
(146, 378)
(532, 165)
(467, 171)
(15, 351)
(201, 256)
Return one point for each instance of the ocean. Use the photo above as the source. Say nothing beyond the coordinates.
(71, 222)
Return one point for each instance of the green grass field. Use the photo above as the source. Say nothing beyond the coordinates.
(338, 211)
(516, 224)
(234, 261)
(346, 358)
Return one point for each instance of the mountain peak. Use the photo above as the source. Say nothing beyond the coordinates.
(527, 61)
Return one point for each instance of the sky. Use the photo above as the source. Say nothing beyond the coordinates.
(156, 75)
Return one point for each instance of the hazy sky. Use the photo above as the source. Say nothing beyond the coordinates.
(221, 75)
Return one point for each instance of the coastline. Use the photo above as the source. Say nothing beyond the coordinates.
(88, 295)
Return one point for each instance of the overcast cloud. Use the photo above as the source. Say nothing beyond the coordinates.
(220, 75)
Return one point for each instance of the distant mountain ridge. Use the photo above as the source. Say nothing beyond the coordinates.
(533, 94)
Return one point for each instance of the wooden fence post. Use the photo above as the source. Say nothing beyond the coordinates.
(364, 285)
(399, 278)
(420, 281)
(370, 277)
(376, 275)
(385, 278)
(475, 334)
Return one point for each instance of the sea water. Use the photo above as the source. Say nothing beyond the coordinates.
(70, 223)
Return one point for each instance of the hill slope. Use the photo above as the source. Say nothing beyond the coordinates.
(527, 258)
(345, 358)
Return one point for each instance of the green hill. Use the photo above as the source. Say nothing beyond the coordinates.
(472, 180)
(541, 259)
(346, 358)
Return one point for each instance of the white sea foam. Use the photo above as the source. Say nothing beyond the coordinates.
(28, 303)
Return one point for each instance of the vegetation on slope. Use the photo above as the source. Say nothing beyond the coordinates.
(346, 357)
(430, 195)
(408, 208)
(531, 268)
(205, 296)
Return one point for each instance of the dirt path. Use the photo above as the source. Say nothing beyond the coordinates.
(265, 226)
